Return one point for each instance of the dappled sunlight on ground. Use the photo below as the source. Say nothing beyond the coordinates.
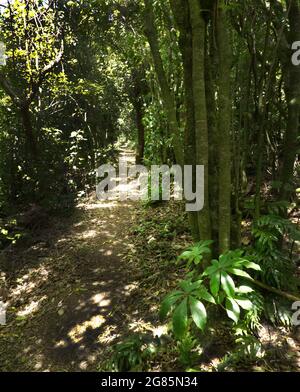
(31, 308)
(99, 205)
(73, 293)
(92, 281)
(77, 333)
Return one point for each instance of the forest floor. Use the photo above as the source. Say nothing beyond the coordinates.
(72, 293)
(91, 280)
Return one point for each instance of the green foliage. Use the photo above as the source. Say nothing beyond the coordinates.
(225, 283)
(189, 305)
(130, 355)
(194, 255)
(248, 352)
(9, 234)
(252, 318)
(187, 349)
(269, 232)
(80, 73)
(270, 229)
(186, 303)
(278, 312)
(231, 263)
(75, 108)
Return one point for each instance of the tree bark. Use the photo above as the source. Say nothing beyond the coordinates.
(224, 128)
(139, 114)
(200, 110)
(291, 145)
(28, 131)
(180, 9)
(213, 137)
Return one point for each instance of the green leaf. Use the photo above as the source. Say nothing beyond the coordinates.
(232, 309)
(251, 265)
(195, 285)
(245, 289)
(205, 243)
(220, 297)
(185, 285)
(204, 294)
(212, 269)
(215, 283)
(198, 313)
(195, 253)
(227, 284)
(168, 302)
(185, 255)
(239, 272)
(197, 259)
(244, 303)
(180, 320)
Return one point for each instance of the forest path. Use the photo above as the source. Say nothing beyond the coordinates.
(90, 280)
(75, 294)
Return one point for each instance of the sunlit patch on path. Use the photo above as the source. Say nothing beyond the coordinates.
(74, 297)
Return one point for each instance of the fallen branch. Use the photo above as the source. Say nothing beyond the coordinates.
(274, 290)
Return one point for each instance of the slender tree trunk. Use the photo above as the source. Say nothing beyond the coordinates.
(28, 130)
(291, 145)
(200, 110)
(139, 114)
(213, 137)
(260, 163)
(138, 92)
(224, 128)
(180, 10)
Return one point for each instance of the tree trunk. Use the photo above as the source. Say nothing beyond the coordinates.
(28, 130)
(139, 114)
(224, 127)
(291, 146)
(200, 111)
(180, 10)
(213, 138)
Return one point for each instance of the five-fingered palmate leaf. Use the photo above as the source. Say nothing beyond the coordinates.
(187, 302)
(195, 254)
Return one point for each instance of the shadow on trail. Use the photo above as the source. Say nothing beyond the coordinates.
(73, 294)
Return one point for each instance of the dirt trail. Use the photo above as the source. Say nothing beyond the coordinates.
(91, 280)
(74, 294)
